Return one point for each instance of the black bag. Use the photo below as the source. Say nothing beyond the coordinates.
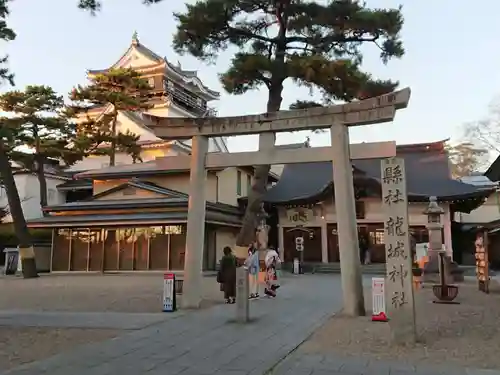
(219, 277)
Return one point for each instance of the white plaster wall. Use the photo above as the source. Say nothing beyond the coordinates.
(224, 237)
(485, 213)
(227, 185)
(124, 124)
(29, 193)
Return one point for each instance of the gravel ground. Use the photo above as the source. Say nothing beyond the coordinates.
(119, 293)
(466, 334)
(23, 345)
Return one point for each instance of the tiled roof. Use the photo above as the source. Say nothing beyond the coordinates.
(427, 171)
(157, 166)
(147, 218)
(75, 185)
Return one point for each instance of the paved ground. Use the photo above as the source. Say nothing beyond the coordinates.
(92, 320)
(300, 363)
(210, 342)
(138, 293)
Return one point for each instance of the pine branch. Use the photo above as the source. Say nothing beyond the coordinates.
(94, 6)
(120, 90)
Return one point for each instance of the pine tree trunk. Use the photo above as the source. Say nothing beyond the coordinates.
(26, 251)
(112, 155)
(247, 232)
(40, 173)
(42, 182)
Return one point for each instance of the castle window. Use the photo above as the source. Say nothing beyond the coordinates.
(151, 82)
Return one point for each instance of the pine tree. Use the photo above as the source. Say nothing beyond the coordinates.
(6, 34)
(27, 253)
(35, 121)
(113, 91)
(93, 6)
(317, 45)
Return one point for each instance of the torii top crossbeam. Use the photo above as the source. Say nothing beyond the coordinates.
(365, 112)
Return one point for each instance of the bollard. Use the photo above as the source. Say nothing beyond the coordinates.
(242, 290)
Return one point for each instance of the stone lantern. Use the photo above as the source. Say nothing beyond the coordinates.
(434, 228)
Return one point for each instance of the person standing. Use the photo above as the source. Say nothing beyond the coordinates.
(252, 264)
(228, 275)
(272, 261)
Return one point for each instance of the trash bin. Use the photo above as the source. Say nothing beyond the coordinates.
(12, 264)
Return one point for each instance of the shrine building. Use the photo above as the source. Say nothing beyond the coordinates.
(136, 217)
(304, 201)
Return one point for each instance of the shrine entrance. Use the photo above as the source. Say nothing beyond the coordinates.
(303, 240)
(336, 118)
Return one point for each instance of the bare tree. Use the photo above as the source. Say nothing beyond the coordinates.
(466, 158)
(486, 132)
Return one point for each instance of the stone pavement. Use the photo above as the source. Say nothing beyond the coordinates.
(299, 363)
(63, 319)
(209, 341)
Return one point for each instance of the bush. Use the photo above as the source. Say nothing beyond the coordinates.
(8, 237)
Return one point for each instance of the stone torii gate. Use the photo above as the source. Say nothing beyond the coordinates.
(337, 118)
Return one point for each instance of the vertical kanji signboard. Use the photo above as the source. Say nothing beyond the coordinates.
(398, 286)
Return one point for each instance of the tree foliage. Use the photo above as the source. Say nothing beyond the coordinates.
(317, 45)
(466, 158)
(33, 120)
(6, 34)
(113, 91)
(93, 6)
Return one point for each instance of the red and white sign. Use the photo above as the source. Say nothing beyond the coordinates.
(379, 313)
(169, 303)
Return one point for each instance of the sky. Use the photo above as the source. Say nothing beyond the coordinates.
(451, 61)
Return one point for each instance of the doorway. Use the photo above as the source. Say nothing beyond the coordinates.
(310, 237)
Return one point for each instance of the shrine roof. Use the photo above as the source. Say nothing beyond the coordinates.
(427, 173)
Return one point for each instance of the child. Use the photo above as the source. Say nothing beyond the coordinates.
(272, 260)
(252, 263)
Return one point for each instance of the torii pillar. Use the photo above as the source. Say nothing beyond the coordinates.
(346, 222)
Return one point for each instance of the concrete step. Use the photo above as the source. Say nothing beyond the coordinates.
(334, 268)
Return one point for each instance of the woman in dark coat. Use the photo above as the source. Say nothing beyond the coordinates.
(228, 275)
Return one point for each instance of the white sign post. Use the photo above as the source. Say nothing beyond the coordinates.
(169, 296)
(378, 300)
(398, 285)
